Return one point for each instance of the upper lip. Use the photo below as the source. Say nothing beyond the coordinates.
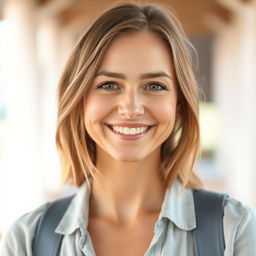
(129, 125)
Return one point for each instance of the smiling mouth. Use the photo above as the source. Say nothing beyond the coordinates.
(127, 131)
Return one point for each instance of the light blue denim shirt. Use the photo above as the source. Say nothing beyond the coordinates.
(172, 231)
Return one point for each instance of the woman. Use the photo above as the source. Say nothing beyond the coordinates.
(128, 137)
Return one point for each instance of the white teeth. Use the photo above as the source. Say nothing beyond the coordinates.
(132, 131)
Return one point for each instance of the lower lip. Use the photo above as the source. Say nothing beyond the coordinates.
(129, 136)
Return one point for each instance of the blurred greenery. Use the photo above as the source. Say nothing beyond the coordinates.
(209, 124)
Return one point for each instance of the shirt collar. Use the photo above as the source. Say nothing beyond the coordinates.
(76, 215)
(178, 207)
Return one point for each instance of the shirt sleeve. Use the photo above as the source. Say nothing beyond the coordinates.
(239, 229)
(17, 241)
(245, 239)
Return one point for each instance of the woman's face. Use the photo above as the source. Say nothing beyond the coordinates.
(130, 108)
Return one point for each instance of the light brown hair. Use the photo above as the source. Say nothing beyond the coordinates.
(77, 150)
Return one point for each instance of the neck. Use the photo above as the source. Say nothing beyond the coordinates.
(124, 191)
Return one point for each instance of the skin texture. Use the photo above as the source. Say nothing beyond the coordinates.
(129, 185)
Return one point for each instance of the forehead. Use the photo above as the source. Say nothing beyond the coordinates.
(143, 50)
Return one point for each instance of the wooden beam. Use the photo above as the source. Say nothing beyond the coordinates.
(223, 12)
(214, 23)
(55, 7)
(247, 1)
(43, 2)
(232, 5)
(218, 17)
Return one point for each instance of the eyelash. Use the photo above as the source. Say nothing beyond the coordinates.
(114, 83)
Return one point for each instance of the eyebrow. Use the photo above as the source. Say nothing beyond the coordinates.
(143, 76)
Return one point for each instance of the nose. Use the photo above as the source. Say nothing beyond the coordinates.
(130, 105)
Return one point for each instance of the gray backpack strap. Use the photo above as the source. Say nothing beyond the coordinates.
(208, 237)
(46, 241)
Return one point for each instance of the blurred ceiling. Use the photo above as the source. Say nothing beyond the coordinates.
(195, 15)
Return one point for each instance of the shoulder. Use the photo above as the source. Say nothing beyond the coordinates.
(17, 241)
(239, 213)
(239, 227)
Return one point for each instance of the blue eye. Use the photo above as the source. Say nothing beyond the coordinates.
(108, 86)
(156, 87)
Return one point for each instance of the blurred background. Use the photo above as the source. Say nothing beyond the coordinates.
(36, 38)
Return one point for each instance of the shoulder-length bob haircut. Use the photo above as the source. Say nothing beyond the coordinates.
(76, 149)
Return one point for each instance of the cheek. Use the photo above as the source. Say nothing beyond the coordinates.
(164, 110)
(96, 108)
